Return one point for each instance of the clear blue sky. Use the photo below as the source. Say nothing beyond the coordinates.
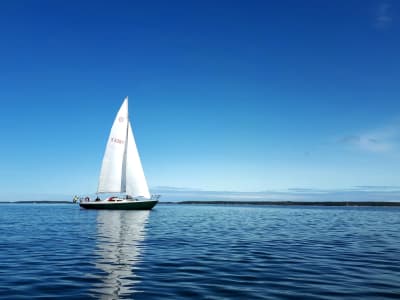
(245, 96)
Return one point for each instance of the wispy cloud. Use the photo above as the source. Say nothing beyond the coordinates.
(358, 193)
(382, 140)
(384, 15)
(170, 193)
(377, 188)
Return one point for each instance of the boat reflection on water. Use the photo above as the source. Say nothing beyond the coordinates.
(119, 246)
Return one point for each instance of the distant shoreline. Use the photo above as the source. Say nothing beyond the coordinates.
(36, 202)
(256, 203)
(292, 203)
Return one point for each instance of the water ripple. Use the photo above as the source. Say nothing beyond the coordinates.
(199, 252)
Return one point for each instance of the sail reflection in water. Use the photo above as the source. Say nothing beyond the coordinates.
(120, 237)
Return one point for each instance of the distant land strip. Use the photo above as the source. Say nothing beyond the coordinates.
(260, 203)
(36, 202)
(293, 203)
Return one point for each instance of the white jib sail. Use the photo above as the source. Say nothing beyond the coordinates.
(113, 161)
(136, 184)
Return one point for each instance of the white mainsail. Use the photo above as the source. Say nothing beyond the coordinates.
(121, 171)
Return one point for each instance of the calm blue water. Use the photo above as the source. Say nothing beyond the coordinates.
(199, 252)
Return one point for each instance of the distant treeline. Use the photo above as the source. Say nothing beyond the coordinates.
(38, 202)
(282, 203)
(293, 203)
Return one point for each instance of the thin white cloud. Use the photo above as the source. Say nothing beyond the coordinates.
(358, 193)
(384, 15)
(382, 140)
(377, 188)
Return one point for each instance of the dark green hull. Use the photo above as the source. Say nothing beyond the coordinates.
(131, 205)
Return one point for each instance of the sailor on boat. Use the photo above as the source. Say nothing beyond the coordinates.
(121, 170)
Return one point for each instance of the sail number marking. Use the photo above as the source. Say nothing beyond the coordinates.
(118, 141)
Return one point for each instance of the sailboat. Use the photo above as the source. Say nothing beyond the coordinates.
(121, 171)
